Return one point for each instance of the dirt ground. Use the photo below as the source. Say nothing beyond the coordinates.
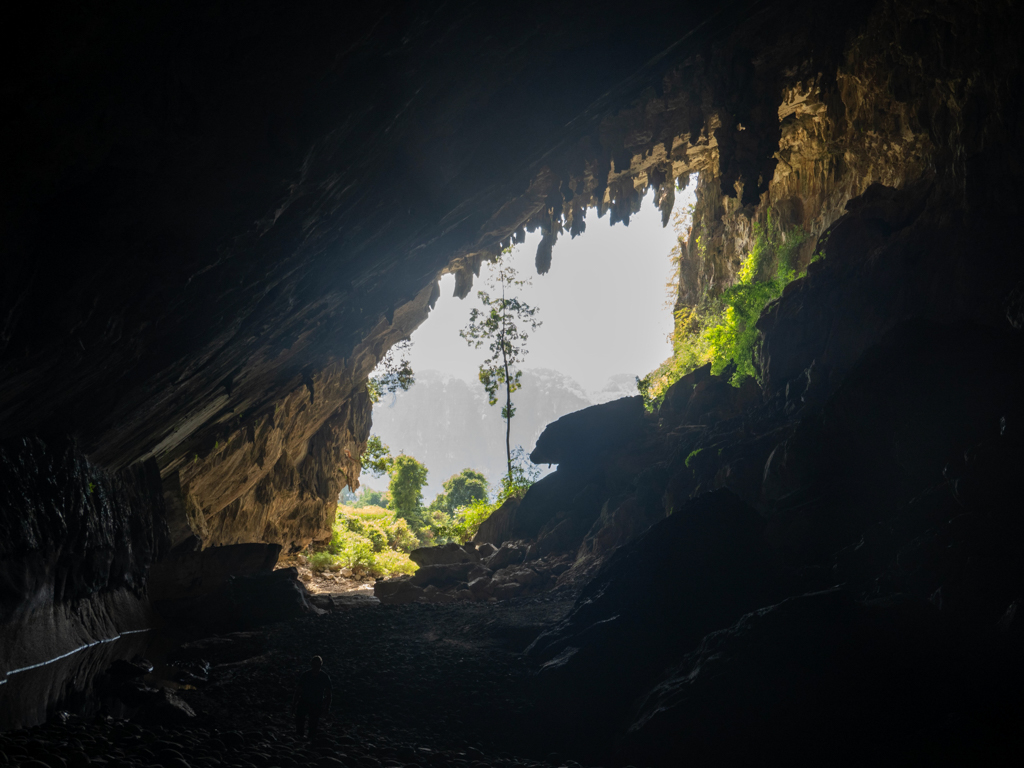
(444, 675)
(417, 684)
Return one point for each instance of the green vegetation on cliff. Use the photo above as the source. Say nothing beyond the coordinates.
(722, 330)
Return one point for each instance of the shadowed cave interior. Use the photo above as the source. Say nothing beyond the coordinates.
(219, 218)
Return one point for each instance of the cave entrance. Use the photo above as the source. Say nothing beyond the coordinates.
(606, 308)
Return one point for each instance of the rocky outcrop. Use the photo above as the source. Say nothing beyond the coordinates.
(899, 488)
(227, 588)
(474, 572)
(76, 542)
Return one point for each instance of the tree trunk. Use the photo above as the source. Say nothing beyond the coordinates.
(508, 418)
(508, 384)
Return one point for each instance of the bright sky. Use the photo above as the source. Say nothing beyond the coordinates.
(603, 305)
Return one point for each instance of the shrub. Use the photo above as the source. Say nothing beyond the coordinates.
(401, 537)
(376, 536)
(321, 561)
(362, 538)
(464, 523)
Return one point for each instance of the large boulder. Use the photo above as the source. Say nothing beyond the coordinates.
(511, 552)
(445, 575)
(241, 602)
(446, 554)
(397, 591)
(499, 526)
(651, 602)
(579, 437)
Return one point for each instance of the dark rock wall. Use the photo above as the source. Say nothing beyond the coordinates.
(76, 542)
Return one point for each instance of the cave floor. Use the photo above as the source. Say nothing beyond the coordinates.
(413, 685)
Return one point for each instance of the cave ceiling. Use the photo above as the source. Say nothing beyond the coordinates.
(205, 204)
(206, 207)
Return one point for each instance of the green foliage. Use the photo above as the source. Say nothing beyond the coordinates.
(503, 326)
(408, 477)
(376, 459)
(401, 537)
(392, 374)
(517, 482)
(464, 522)
(733, 340)
(370, 539)
(693, 455)
(320, 561)
(368, 497)
(461, 489)
(722, 330)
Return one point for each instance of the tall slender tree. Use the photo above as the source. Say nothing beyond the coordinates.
(503, 325)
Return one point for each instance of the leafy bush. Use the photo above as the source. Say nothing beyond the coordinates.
(401, 537)
(722, 330)
(321, 561)
(464, 523)
(368, 538)
(376, 536)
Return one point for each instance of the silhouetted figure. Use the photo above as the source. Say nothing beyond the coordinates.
(312, 697)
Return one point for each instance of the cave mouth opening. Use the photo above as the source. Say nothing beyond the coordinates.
(605, 308)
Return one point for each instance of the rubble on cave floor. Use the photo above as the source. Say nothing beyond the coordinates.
(476, 573)
(413, 685)
(333, 589)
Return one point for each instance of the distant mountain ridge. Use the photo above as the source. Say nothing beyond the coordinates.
(446, 422)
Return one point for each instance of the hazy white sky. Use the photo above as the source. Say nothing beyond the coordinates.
(603, 305)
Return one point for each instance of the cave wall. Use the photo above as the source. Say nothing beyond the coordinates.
(216, 225)
(76, 543)
(921, 101)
